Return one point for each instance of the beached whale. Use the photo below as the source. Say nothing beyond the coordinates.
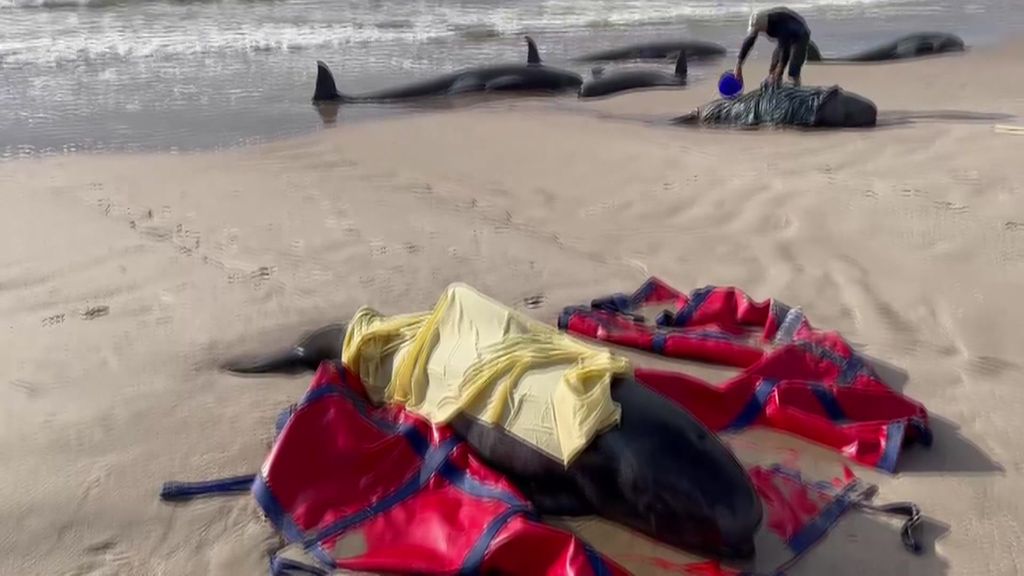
(660, 471)
(909, 46)
(602, 84)
(530, 76)
(809, 107)
(658, 50)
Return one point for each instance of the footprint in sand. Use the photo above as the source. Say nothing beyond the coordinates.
(102, 557)
(54, 320)
(157, 233)
(853, 280)
(991, 366)
(30, 389)
(911, 192)
(105, 205)
(96, 478)
(535, 301)
(830, 176)
(93, 312)
(101, 546)
(262, 273)
(951, 206)
(187, 240)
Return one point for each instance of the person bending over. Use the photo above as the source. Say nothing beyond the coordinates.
(792, 35)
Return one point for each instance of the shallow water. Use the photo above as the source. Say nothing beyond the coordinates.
(122, 75)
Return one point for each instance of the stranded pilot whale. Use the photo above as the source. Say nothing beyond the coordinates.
(604, 84)
(660, 472)
(804, 106)
(657, 50)
(533, 75)
(909, 46)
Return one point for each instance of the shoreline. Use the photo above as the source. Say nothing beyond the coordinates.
(229, 131)
(907, 239)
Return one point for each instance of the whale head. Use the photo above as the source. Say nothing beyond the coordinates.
(672, 479)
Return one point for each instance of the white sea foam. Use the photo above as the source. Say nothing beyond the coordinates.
(66, 31)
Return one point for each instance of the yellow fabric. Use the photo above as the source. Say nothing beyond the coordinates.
(372, 341)
(474, 355)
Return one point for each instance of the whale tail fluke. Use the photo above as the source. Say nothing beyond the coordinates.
(326, 90)
(681, 69)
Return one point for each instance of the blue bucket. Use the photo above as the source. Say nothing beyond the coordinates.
(729, 86)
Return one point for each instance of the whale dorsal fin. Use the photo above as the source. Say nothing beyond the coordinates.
(681, 64)
(532, 55)
(326, 90)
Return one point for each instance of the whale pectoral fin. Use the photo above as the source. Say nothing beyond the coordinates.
(510, 82)
(466, 84)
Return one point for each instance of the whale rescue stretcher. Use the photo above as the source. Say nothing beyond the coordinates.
(794, 378)
(367, 487)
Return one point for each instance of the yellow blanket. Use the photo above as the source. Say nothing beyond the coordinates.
(474, 355)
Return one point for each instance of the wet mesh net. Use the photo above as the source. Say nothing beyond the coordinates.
(770, 105)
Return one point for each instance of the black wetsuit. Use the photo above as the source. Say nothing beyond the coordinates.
(791, 33)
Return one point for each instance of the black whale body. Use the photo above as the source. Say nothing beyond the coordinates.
(605, 84)
(659, 472)
(913, 45)
(806, 106)
(657, 50)
(533, 75)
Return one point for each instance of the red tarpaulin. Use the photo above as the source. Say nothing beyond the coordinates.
(379, 489)
(793, 377)
(410, 495)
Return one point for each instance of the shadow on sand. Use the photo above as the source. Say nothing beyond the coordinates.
(864, 543)
(889, 118)
(951, 452)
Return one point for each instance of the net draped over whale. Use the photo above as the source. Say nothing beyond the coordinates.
(769, 105)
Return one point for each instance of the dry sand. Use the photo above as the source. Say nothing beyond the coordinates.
(908, 238)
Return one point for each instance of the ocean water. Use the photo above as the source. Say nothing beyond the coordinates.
(186, 74)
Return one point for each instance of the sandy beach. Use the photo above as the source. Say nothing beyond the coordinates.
(126, 278)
